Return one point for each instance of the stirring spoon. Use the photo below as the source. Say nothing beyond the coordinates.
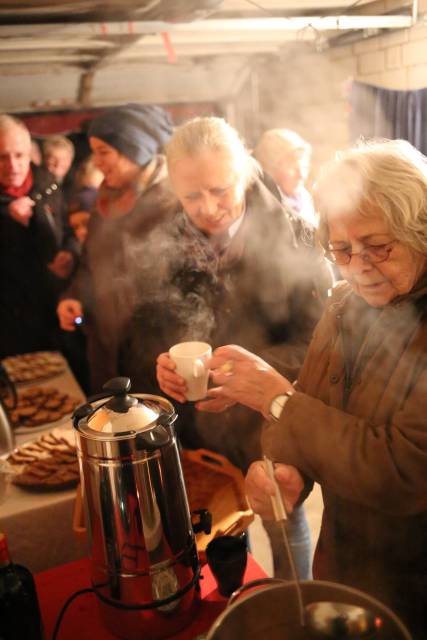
(324, 619)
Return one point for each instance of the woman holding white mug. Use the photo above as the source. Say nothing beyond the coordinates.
(232, 276)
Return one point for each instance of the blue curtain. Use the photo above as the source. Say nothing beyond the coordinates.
(386, 113)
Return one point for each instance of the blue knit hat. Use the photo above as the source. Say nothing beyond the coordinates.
(137, 131)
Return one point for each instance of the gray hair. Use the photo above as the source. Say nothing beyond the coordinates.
(58, 142)
(275, 144)
(211, 134)
(387, 176)
(8, 123)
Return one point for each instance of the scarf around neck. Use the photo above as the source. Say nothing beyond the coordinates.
(19, 192)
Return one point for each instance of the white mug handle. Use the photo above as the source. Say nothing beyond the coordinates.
(198, 368)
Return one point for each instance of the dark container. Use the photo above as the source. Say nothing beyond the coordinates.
(19, 606)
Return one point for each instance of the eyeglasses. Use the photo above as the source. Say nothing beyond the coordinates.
(371, 254)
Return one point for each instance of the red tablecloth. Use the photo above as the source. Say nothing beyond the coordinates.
(81, 619)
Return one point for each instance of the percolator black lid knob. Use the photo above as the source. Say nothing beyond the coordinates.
(119, 388)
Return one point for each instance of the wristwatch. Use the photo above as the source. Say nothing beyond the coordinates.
(277, 404)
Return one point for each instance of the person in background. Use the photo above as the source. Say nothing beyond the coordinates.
(58, 155)
(285, 157)
(88, 177)
(36, 247)
(133, 198)
(79, 222)
(83, 200)
(228, 270)
(356, 422)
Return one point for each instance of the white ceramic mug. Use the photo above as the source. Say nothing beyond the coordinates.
(190, 359)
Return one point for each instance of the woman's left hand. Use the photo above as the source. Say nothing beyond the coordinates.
(243, 377)
(260, 489)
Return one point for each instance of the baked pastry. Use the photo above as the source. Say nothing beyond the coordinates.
(34, 366)
(41, 405)
(48, 463)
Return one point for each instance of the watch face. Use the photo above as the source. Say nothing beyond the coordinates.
(278, 403)
(277, 406)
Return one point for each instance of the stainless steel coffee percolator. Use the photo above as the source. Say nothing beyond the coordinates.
(145, 568)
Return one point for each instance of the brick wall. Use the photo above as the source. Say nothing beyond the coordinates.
(306, 91)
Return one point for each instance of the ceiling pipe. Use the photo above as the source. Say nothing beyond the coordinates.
(414, 11)
(325, 23)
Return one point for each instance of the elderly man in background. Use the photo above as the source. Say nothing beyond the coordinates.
(32, 234)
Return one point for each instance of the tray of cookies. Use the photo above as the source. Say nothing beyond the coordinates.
(39, 406)
(30, 367)
(47, 464)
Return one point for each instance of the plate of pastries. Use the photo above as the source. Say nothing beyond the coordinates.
(30, 367)
(39, 406)
(47, 464)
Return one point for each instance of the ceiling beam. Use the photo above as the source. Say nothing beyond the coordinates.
(325, 23)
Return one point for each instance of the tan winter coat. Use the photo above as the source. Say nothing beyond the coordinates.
(358, 426)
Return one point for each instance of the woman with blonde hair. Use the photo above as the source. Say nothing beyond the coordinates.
(235, 274)
(356, 421)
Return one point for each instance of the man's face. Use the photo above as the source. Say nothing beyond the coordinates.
(15, 154)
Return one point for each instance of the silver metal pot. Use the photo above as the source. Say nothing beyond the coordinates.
(272, 612)
(145, 568)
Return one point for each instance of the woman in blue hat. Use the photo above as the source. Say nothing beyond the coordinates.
(134, 197)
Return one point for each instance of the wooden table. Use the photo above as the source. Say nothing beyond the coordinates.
(81, 619)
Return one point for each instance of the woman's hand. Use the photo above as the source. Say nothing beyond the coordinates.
(68, 310)
(260, 489)
(170, 382)
(214, 403)
(243, 377)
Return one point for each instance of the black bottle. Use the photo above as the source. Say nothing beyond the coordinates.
(19, 607)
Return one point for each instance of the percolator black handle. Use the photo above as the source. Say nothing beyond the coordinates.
(118, 387)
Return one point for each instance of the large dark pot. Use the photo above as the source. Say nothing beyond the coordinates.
(272, 612)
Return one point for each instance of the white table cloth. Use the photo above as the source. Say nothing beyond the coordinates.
(39, 525)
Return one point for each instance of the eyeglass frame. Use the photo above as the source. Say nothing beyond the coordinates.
(387, 248)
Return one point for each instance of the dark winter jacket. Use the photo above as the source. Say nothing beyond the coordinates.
(260, 292)
(27, 288)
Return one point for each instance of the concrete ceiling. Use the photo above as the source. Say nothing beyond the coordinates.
(86, 53)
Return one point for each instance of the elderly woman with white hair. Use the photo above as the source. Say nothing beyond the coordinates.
(356, 421)
(285, 156)
(227, 268)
